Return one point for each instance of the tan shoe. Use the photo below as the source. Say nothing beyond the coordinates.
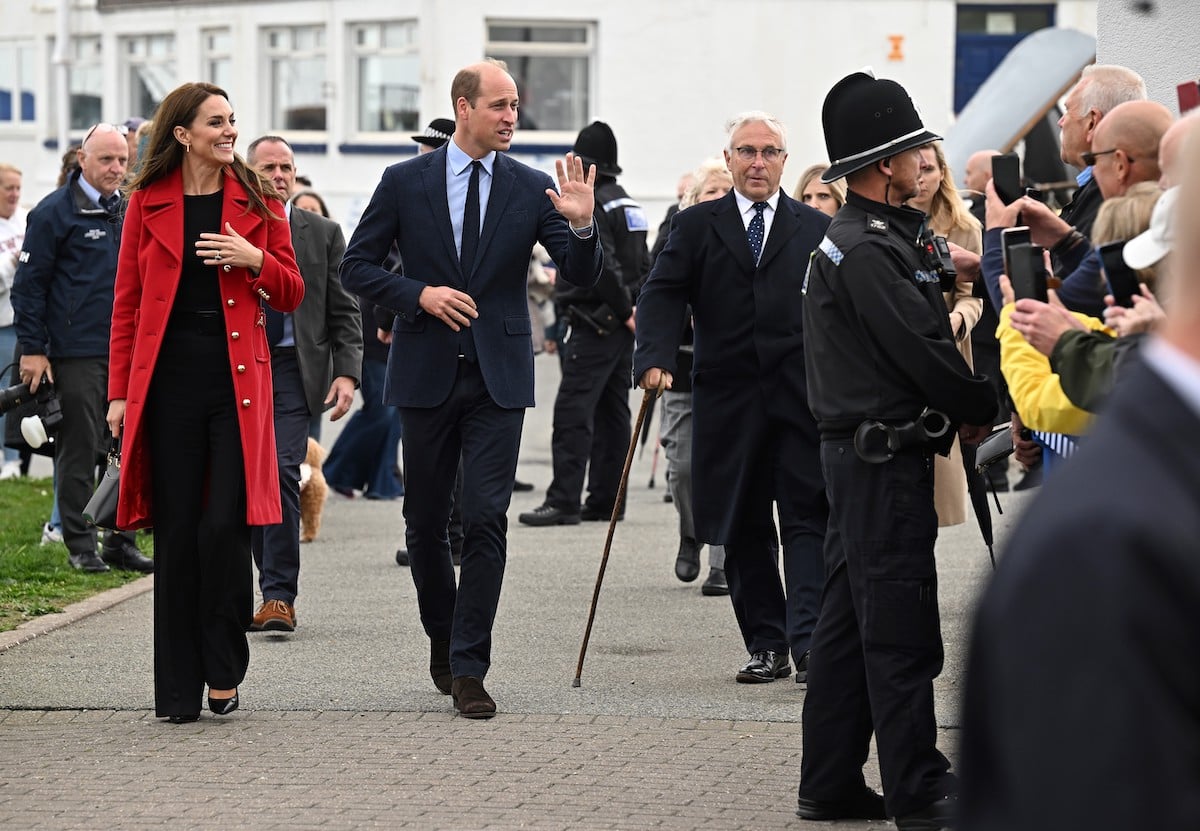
(274, 616)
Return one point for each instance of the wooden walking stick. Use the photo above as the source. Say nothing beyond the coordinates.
(618, 505)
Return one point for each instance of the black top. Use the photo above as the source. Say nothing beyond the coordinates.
(877, 340)
(198, 284)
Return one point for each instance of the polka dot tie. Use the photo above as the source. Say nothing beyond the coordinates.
(755, 232)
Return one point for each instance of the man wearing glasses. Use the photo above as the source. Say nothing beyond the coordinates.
(63, 297)
(739, 261)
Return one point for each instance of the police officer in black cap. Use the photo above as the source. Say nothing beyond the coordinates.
(591, 411)
(882, 367)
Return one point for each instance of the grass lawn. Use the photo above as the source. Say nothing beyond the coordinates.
(34, 579)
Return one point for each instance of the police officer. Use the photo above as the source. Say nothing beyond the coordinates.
(879, 354)
(591, 411)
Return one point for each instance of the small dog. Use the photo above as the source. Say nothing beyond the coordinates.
(313, 491)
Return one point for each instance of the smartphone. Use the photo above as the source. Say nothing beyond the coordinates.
(1010, 237)
(1034, 193)
(1027, 272)
(1006, 177)
(1122, 280)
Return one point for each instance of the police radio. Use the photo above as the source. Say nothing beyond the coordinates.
(936, 257)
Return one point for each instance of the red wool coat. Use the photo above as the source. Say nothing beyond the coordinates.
(148, 272)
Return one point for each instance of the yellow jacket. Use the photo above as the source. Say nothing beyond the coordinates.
(1033, 387)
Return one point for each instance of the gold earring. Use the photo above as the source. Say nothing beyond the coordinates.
(187, 148)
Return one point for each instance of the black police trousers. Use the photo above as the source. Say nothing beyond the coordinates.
(877, 645)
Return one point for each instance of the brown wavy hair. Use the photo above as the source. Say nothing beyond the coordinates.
(164, 154)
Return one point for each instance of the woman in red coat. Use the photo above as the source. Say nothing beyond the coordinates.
(189, 385)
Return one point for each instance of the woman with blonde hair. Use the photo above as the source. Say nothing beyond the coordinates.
(950, 218)
(810, 190)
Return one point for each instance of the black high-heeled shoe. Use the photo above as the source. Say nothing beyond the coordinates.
(223, 706)
(183, 719)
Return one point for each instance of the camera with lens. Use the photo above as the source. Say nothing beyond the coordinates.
(42, 426)
(937, 259)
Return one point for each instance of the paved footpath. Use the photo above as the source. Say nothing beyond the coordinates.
(340, 726)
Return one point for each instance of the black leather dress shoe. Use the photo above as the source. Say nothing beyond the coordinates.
(545, 515)
(864, 805)
(471, 699)
(687, 561)
(119, 551)
(87, 561)
(936, 816)
(802, 669)
(183, 719)
(764, 666)
(590, 514)
(521, 487)
(715, 584)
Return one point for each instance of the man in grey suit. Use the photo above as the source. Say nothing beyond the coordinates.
(316, 360)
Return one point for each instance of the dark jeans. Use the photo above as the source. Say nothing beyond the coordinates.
(277, 547)
(365, 455)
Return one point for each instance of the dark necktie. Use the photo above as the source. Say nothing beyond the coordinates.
(470, 229)
(111, 203)
(470, 244)
(756, 231)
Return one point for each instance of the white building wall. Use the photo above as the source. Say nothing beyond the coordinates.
(667, 73)
(1160, 43)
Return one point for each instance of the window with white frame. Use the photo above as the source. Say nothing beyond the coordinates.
(387, 76)
(217, 48)
(552, 65)
(85, 81)
(295, 70)
(148, 66)
(17, 99)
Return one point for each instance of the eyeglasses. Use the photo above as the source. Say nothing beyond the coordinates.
(749, 154)
(116, 128)
(1089, 159)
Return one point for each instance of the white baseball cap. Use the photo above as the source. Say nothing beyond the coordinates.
(1150, 246)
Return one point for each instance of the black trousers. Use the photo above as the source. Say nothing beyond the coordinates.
(468, 426)
(203, 590)
(878, 644)
(82, 387)
(591, 419)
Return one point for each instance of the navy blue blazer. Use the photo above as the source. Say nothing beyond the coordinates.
(749, 346)
(409, 207)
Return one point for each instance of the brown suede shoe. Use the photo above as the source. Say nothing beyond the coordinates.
(471, 699)
(439, 665)
(274, 616)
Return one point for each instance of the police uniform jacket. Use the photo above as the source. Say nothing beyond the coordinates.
(622, 226)
(878, 343)
(63, 287)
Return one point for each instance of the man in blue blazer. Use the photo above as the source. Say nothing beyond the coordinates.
(465, 219)
(739, 261)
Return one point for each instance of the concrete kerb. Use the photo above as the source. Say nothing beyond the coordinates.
(44, 624)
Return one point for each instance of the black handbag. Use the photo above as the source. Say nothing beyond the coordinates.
(101, 509)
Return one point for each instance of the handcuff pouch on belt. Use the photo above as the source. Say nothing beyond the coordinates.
(876, 442)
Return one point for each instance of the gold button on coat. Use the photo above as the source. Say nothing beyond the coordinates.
(241, 368)
(234, 335)
(245, 402)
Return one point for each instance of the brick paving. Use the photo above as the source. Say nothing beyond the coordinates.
(340, 726)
